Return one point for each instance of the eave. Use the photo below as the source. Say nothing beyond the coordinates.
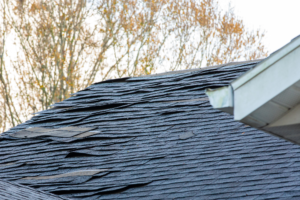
(268, 96)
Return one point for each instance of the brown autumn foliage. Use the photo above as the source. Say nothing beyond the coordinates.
(62, 46)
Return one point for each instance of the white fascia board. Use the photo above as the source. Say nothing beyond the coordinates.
(260, 94)
(295, 43)
(268, 96)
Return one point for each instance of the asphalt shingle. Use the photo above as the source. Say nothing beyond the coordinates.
(158, 137)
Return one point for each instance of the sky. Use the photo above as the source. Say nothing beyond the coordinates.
(278, 18)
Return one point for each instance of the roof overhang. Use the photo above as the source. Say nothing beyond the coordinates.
(268, 96)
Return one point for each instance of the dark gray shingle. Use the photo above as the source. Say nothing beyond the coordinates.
(142, 127)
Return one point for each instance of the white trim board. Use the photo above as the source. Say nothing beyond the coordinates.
(268, 96)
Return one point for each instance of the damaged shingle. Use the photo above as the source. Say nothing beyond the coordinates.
(60, 132)
(90, 172)
(86, 134)
(13, 191)
(186, 135)
(7, 164)
(160, 139)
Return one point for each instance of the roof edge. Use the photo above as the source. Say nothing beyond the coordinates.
(268, 96)
(268, 62)
(203, 68)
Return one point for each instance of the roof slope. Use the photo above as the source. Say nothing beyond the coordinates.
(152, 137)
(13, 191)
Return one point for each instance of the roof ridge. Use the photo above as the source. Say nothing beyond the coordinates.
(204, 68)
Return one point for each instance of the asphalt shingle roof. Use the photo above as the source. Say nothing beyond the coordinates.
(13, 191)
(152, 137)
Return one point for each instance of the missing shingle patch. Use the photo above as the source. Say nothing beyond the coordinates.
(90, 172)
(69, 131)
(38, 129)
(7, 164)
(188, 100)
(75, 128)
(86, 134)
(186, 135)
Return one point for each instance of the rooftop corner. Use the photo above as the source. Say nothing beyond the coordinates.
(267, 97)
